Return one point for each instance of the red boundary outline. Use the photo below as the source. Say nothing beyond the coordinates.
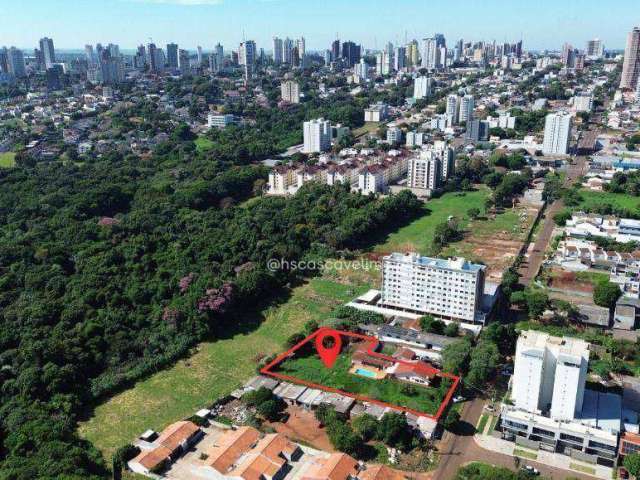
(374, 342)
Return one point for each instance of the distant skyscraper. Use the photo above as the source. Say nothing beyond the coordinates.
(277, 50)
(595, 49)
(48, 52)
(302, 47)
(216, 59)
(399, 58)
(172, 56)
(4, 60)
(429, 53)
(152, 58)
(631, 66)
(247, 57)
(15, 62)
(184, 62)
(287, 51)
(140, 59)
(91, 57)
(557, 133)
(199, 50)
(350, 53)
(413, 54)
(335, 50)
(568, 56)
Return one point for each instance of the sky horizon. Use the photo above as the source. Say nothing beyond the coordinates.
(544, 24)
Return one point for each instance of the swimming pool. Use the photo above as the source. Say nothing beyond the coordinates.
(365, 373)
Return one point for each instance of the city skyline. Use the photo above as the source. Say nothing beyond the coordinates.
(372, 24)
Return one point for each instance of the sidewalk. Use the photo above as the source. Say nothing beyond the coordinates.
(555, 460)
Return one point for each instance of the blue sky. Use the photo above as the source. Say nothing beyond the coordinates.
(541, 23)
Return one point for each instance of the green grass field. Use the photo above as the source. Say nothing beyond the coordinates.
(7, 159)
(203, 144)
(311, 369)
(482, 423)
(591, 200)
(217, 367)
(418, 235)
(366, 128)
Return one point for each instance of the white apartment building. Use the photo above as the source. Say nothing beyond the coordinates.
(467, 105)
(317, 136)
(447, 288)
(215, 120)
(557, 133)
(376, 177)
(595, 49)
(550, 374)
(453, 107)
(394, 135)
(376, 112)
(414, 139)
(583, 102)
(424, 173)
(504, 120)
(290, 91)
(422, 87)
(552, 410)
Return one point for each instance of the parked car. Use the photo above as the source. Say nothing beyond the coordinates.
(458, 399)
(489, 408)
(531, 470)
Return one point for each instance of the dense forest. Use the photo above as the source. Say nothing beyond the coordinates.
(112, 269)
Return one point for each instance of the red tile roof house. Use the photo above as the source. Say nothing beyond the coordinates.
(419, 372)
(172, 442)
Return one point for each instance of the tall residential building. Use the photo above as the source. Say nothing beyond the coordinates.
(184, 62)
(549, 374)
(568, 55)
(301, 45)
(89, 55)
(335, 50)
(399, 58)
(595, 49)
(422, 87)
(287, 51)
(413, 54)
(199, 55)
(467, 104)
(350, 53)
(429, 53)
(48, 52)
(152, 58)
(424, 173)
(216, 59)
(172, 56)
(317, 136)
(15, 62)
(277, 50)
(631, 65)
(247, 57)
(290, 91)
(452, 108)
(557, 133)
(4, 60)
(450, 289)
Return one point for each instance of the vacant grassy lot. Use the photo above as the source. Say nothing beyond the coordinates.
(366, 128)
(7, 159)
(518, 452)
(217, 367)
(418, 235)
(311, 369)
(203, 144)
(590, 200)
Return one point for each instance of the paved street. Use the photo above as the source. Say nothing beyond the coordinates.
(461, 448)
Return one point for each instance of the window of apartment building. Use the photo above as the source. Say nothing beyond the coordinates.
(545, 433)
(571, 438)
(601, 446)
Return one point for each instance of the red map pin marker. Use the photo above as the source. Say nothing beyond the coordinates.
(328, 355)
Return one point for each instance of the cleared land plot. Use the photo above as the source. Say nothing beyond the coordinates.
(311, 369)
(7, 159)
(418, 235)
(216, 368)
(495, 241)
